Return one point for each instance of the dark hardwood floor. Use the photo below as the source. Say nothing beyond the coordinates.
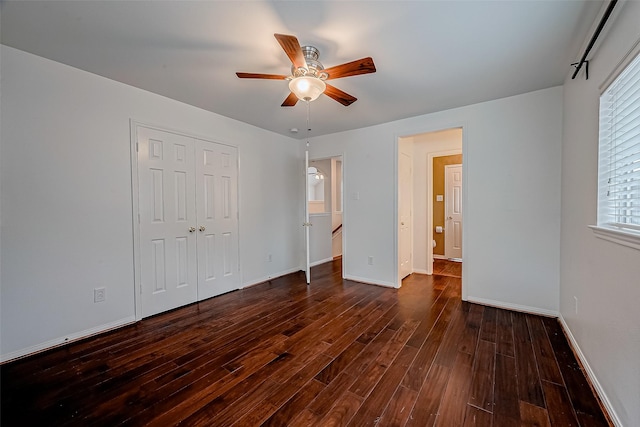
(334, 353)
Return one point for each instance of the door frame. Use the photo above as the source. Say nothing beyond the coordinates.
(466, 132)
(135, 203)
(344, 200)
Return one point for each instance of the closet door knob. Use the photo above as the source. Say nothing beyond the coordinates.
(202, 228)
(192, 229)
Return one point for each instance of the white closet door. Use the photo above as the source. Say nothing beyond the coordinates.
(167, 220)
(217, 213)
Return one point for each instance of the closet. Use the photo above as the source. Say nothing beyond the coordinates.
(187, 219)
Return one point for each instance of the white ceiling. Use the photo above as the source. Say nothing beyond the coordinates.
(430, 55)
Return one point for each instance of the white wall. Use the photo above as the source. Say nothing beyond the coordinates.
(423, 145)
(511, 152)
(604, 276)
(67, 204)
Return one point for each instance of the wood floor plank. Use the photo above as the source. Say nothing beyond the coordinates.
(471, 331)
(399, 407)
(342, 411)
(284, 353)
(504, 333)
(417, 372)
(477, 417)
(506, 410)
(325, 399)
(488, 328)
(482, 381)
(583, 400)
(376, 402)
(370, 377)
(453, 407)
(559, 406)
(295, 405)
(546, 360)
(425, 410)
(533, 416)
(529, 388)
(338, 364)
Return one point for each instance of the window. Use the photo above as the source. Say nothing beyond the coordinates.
(619, 157)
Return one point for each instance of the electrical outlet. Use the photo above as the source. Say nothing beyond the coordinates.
(576, 303)
(370, 260)
(99, 295)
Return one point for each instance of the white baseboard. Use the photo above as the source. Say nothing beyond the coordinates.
(66, 339)
(322, 261)
(420, 271)
(370, 282)
(514, 307)
(592, 376)
(269, 277)
(436, 256)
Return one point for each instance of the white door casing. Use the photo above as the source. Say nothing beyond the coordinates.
(167, 213)
(188, 219)
(307, 223)
(405, 190)
(453, 211)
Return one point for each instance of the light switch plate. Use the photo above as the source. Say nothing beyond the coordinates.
(439, 198)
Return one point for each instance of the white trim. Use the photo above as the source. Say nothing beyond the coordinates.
(622, 237)
(592, 376)
(322, 261)
(270, 277)
(514, 307)
(436, 256)
(371, 282)
(619, 68)
(60, 341)
(420, 271)
(135, 193)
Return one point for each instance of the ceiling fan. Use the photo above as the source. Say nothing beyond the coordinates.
(308, 75)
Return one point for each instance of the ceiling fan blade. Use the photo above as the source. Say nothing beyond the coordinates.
(340, 96)
(292, 48)
(291, 100)
(261, 76)
(353, 68)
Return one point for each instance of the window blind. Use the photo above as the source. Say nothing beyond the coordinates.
(619, 153)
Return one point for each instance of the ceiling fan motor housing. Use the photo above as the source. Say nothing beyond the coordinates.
(314, 67)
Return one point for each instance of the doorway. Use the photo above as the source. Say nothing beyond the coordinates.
(325, 206)
(427, 235)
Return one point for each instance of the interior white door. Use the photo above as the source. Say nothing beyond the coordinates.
(307, 223)
(216, 174)
(167, 217)
(453, 211)
(405, 190)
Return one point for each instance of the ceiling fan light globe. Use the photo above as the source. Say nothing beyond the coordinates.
(307, 88)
